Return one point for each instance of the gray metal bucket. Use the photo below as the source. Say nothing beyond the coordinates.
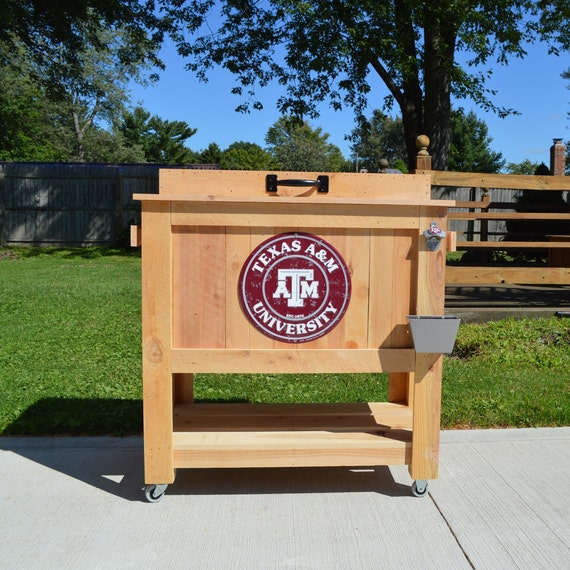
(432, 333)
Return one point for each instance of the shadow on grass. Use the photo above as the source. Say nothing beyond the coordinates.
(90, 252)
(79, 417)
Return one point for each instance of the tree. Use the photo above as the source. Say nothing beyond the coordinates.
(161, 141)
(28, 125)
(324, 50)
(379, 137)
(107, 146)
(35, 128)
(87, 90)
(383, 137)
(525, 167)
(211, 155)
(295, 145)
(469, 146)
(134, 127)
(96, 90)
(247, 156)
(68, 28)
(166, 141)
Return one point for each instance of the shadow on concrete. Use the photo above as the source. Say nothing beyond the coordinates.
(507, 296)
(116, 466)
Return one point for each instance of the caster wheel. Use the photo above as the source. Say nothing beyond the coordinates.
(420, 488)
(154, 493)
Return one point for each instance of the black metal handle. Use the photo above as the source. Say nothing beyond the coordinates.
(271, 183)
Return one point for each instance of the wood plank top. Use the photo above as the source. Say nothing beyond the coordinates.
(292, 200)
(508, 181)
(242, 183)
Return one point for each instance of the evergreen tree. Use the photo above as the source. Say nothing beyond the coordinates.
(470, 145)
(161, 141)
(296, 146)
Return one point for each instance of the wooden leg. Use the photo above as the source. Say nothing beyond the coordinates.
(399, 388)
(426, 416)
(183, 388)
(158, 425)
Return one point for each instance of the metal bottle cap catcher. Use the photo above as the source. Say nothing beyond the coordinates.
(433, 236)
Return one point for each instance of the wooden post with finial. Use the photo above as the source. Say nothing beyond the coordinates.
(423, 158)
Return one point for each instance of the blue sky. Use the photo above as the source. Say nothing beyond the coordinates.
(533, 86)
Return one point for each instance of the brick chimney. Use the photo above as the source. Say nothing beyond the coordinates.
(558, 158)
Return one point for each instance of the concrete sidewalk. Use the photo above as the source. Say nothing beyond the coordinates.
(501, 502)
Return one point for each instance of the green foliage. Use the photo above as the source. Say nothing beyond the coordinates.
(159, 140)
(296, 146)
(53, 111)
(50, 30)
(383, 137)
(94, 87)
(325, 51)
(247, 156)
(166, 141)
(211, 155)
(470, 145)
(380, 137)
(28, 123)
(318, 51)
(525, 167)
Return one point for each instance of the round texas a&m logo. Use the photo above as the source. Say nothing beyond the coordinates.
(294, 287)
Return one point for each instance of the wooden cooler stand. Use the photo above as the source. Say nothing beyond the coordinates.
(196, 235)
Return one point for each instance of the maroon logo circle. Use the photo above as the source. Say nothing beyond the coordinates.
(294, 287)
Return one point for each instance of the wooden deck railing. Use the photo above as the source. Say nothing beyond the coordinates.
(486, 210)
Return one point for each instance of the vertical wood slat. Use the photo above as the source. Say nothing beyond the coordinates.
(427, 377)
(237, 242)
(390, 283)
(393, 275)
(199, 287)
(336, 337)
(157, 343)
(357, 257)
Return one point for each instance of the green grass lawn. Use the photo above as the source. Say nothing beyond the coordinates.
(70, 358)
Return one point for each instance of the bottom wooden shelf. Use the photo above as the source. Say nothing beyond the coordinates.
(291, 435)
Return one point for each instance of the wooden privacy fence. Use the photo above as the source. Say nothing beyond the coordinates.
(490, 205)
(71, 204)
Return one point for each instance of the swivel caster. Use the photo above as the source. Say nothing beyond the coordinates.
(420, 488)
(155, 493)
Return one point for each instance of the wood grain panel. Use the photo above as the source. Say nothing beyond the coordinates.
(199, 299)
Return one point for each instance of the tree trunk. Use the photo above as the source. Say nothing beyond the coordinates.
(410, 100)
(439, 53)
